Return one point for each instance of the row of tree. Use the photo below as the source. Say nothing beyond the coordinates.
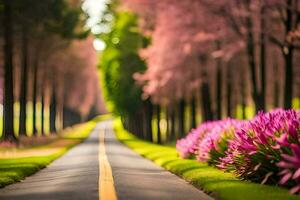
(215, 57)
(48, 59)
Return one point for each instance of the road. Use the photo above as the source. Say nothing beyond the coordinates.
(76, 175)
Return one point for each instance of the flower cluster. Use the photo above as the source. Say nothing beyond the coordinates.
(208, 140)
(265, 149)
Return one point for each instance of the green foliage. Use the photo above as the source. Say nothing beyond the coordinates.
(73, 23)
(119, 61)
(51, 16)
(13, 170)
(213, 181)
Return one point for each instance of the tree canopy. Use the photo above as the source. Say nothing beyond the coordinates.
(119, 61)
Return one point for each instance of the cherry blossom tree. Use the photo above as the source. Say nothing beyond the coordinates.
(218, 53)
(72, 79)
(180, 56)
(286, 23)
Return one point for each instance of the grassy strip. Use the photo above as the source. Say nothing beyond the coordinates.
(22, 164)
(215, 182)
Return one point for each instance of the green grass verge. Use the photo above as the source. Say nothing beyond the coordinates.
(16, 169)
(215, 182)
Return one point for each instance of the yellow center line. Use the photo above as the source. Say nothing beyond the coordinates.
(106, 181)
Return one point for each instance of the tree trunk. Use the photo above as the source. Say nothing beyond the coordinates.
(262, 95)
(243, 92)
(59, 117)
(172, 125)
(42, 110)
(138, 117)
(8, 102)
(219, 83)
(158, 124)
(144, 120)
(243, 104)
(288, 58)
(24, 82)
(141, 125)
(149, 112)
(53, 107)
(207, 113)
(181, 114)
(193, 112)
(34, 96)
(229, 92)
(167, 113)
(276, 86)
(219, 91)
(288, 87)
(251, 59)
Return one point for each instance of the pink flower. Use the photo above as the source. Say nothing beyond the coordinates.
(265, 149)
(283, 140)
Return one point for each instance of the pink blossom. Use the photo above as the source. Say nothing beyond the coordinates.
(264, 149)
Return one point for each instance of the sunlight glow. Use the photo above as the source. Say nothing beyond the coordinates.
(99, 45)
(95, 9)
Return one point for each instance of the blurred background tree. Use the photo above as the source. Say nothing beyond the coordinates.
(119, 61)
(40, 44)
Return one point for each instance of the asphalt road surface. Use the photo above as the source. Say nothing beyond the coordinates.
(76, 175)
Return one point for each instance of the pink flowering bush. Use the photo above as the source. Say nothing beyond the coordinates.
(265, 149)
(188, 146)
(208, 141)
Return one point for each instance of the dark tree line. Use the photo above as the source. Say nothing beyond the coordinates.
(36, 35)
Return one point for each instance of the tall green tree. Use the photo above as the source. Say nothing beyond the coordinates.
(119, 62)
